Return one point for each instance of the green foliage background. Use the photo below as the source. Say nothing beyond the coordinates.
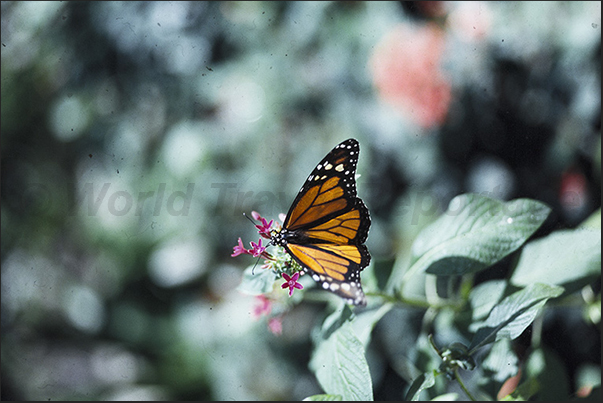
(135, 134)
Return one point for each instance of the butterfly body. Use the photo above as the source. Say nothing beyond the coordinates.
(327, 225)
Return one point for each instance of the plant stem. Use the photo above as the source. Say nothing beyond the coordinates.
(462, 385)
(432, 342)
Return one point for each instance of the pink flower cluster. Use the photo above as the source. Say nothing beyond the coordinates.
(264, 307)
(258, 250)
(406, 69)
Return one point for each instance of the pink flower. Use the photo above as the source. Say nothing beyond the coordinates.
(256, 215)
(291, 282)
(407, 74)
(257, 248)
(263, 307)
(239, 249)
(276, 325)
(264, 229)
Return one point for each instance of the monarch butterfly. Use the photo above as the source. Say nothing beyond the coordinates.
(327, 224)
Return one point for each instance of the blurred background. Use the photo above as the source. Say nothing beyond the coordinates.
(135, 134)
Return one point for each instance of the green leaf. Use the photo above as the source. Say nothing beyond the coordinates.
(365, 322)
(485, 296)
(594, 221)
(474, 233)
(514, 314)
(501, 361)
(569, 258)
(333, 322)
(261, 282)
(422, 382)
(340, 365)
(323, 398)
(446, 397)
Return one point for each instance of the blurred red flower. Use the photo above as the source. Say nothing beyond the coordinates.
(406, 72)
(262, 307)
(276, 325)
(573, 192)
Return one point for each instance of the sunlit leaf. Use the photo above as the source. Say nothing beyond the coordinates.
(365, 322)
(422, 382)
(474, 233)
(570, 258)
(446, 397)
(515, 313)
(593, 221)
(323, 398)
(501, 361)
(485, 296)
(340, 365)
(333, 322)
(260, 282)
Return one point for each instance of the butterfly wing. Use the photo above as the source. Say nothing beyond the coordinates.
(329, 194)
(334, 267)
(327, 224)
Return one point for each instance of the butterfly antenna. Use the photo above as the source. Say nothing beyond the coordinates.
(246, 216)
